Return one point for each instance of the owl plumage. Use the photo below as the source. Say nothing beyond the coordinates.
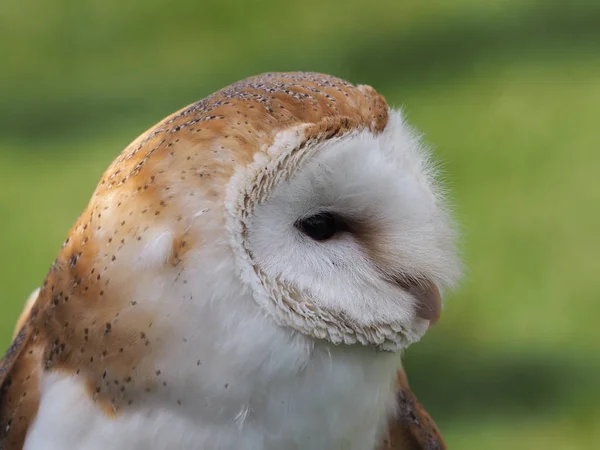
(243, 277)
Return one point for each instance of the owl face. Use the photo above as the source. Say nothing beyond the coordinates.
(347, 238)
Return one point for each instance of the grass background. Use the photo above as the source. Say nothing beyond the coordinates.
(507, 92)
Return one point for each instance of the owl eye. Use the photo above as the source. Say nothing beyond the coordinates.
(320, 227)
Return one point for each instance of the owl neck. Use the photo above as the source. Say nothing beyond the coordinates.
(260, 379)
(219, 372)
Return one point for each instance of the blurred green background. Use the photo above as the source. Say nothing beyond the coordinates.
(506, 91)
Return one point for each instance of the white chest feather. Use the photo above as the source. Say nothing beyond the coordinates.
(330, 404)
(228, 379)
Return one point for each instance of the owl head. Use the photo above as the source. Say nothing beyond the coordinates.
(298, 197)
(339, 226)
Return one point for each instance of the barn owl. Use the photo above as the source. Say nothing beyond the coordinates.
(244, 277)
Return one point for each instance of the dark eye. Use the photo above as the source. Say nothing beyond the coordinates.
(321, 226)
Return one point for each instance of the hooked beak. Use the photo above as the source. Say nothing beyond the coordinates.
(429, 299)
(429, 306)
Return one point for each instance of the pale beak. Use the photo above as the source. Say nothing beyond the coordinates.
(429, 306)
(429, 299)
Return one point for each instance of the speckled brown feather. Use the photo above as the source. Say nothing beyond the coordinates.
(413, 429)
(83, 321)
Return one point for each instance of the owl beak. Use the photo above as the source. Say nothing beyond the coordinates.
(429, 300)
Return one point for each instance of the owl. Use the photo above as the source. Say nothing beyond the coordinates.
(244, 276)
